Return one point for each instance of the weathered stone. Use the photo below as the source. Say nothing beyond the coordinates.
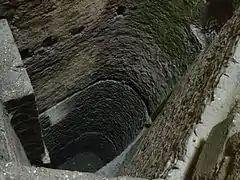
(103, 118)
(11, 171)
(76, 46)
(16, 94)
(165, 142)
(233, 150)
(212, 153)
(73, 44)
(10, 146)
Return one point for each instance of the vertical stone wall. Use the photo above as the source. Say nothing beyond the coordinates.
(17, 96)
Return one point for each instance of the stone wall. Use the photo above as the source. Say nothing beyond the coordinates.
(17, 97)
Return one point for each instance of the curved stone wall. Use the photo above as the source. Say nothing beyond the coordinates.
(101, 65)
(103, 119)
(90, 156)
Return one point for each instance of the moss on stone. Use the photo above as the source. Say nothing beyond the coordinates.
(168, 22)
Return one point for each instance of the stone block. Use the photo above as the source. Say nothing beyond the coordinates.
(11, 171)
(16, 94)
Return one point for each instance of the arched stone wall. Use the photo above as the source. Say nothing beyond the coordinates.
(103, 119)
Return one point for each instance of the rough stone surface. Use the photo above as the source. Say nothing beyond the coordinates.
(11, 171)
(184, 108)
(10, 146)
(14, 79)
(212, 153)
(233, 150)
(73, 44)
(16, 94)
(104, 119)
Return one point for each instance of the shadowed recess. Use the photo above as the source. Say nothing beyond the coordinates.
(92, 127)
(92, 150)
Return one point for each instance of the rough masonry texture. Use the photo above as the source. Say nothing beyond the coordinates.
(10, 147)
(73, 45)
(139, 48)
(12, 171)
(213, 150)
(14, 163)
(102, 119)
(16, 94)
(184, 108)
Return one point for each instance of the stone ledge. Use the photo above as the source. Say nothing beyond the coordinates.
(16, 94)
(12, 171)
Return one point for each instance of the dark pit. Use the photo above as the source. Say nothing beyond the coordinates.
(92, 127)
(92, 150)
(121, 10)
(26, 53)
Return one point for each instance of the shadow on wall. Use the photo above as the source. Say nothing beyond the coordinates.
(92, 127)
(93, 150)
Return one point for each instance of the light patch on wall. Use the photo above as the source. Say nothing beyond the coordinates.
(215, 112)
